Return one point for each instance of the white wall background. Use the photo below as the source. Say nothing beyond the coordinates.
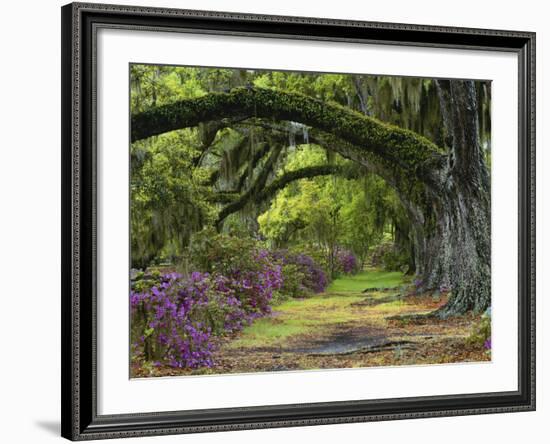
(30, 221)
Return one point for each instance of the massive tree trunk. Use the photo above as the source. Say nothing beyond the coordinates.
(446, 196)
(454, 252)
(456, 248)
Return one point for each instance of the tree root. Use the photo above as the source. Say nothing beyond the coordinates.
(390, 345)
(375, 289)
(370, 301)
(440, 314)
(415, 317)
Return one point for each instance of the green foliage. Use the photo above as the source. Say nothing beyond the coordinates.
(293, 278)
(395, 260)
(481, 332)
(158, 85)
(183, 181)
(219, 253)
(390, 256)
(367, 279)
(327, 213)
(167, 196)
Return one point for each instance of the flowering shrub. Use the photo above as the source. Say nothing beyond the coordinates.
(346, 262)
(317, 255)
(301, 274)
(219, 253)
(174, 319)
(250, 270)
(315, 278)
(167, 320)
(254, 287)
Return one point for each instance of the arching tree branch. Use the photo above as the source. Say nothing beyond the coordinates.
(347, 171)
(405, 148)
(239, 202)
(396, 176)
(407, 186)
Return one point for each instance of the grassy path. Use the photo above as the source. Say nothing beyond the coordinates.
(345, 328)
(300, 320)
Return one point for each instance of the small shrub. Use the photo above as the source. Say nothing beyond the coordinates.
(166, 324)
(387, 256)
(317, 255)
(346, 262)
(481, 332)
(394, 260)
(219, 253)
(313, 278)
(293, 282)
(252, 274)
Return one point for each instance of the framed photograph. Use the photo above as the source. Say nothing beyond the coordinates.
(281, 221)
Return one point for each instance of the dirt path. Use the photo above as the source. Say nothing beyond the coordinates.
(347, 327)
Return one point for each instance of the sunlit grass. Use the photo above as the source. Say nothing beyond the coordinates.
(318, 302)
(268, 332)
(297, 317)
(391, 306)
(367, 279)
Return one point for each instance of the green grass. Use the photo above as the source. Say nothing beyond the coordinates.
(367, 279)
(297, 317)
(268, 331)
(308, 316)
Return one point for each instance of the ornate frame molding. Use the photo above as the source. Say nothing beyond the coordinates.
(79, 394)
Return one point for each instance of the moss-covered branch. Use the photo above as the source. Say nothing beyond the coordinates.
(389, 142)
(267, 192)
(406, 184)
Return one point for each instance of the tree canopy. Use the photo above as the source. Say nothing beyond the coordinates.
(297, 158)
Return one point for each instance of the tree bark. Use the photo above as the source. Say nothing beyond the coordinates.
(456, 249)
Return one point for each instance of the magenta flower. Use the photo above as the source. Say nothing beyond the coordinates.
(178, 317)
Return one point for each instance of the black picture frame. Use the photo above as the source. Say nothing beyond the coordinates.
(80, 420)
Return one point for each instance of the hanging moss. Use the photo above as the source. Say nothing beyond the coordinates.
(389, 142)
(266, 193)
(223, 197)
(256, 187)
